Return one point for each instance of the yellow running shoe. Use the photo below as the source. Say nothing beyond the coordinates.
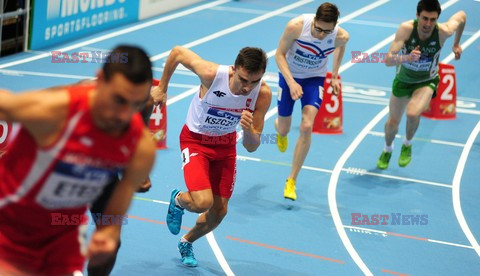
(282, 142)
(289, 191)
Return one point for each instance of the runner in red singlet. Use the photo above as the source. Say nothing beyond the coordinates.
(72, 142)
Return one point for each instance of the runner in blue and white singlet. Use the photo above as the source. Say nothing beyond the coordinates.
(302, 57)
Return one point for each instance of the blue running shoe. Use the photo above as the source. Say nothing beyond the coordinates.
(174, 215)
(186, 251)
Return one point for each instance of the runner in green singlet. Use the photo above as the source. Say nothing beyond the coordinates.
(415, 51)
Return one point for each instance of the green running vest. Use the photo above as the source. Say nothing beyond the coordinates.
(426, 68)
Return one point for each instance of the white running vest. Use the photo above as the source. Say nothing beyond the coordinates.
(308, 56)
(219, 111)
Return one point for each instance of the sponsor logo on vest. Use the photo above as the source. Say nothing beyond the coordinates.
(219, 93)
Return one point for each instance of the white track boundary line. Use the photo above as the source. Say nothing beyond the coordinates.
(457, 207)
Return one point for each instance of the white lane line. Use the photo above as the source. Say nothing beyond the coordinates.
(347, 100)
(236, 27)
(361, 11)
(332, 190)
(350, 170)
(251, 11)
(20, 73)
(218, 254)
(467, 43)
(181, 96)
(365, 172)
(161, 202)
(364, 230)
(213, 244)
(457, 207)
(374, 23)
(381, 134)
(118, 33)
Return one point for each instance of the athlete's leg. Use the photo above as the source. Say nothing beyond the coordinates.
(196, 201)
(283, 124)
(420, 101)
(97, 209)
(209, 220)
(285, 105)
(304, 140)
(196, 167)
(397, 108)
(222, 178)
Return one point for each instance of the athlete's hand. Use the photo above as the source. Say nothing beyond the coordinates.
(146, 185)
(296, 91)
(159, 95)
(246, 121)
(336, 85)
(457, 50)
(415, 54)
(102, 246)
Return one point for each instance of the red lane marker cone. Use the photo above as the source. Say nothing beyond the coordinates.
(329, 119)
(158, 124)
(443, 106)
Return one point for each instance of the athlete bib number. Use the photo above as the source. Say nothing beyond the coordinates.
(72, 186)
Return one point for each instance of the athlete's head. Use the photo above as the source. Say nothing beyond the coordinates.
(123, 87)
(248, 70)
(428, 12)
(325, 20)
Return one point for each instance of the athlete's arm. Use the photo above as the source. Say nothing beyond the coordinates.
(290, 34)
(340, 44)
(105, 239)
(42, 112)
(205, 70)
(252, 124)
(455, 24)
(402, 35)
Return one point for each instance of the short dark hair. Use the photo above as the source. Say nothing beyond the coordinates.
(252, 59)
(327, 12)
(429, 6)
(130, 61)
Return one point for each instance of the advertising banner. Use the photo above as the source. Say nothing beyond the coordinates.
(57, 21)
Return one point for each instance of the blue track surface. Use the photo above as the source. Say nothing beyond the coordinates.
(260, 236)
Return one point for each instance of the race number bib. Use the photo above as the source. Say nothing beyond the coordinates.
(72, 186)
